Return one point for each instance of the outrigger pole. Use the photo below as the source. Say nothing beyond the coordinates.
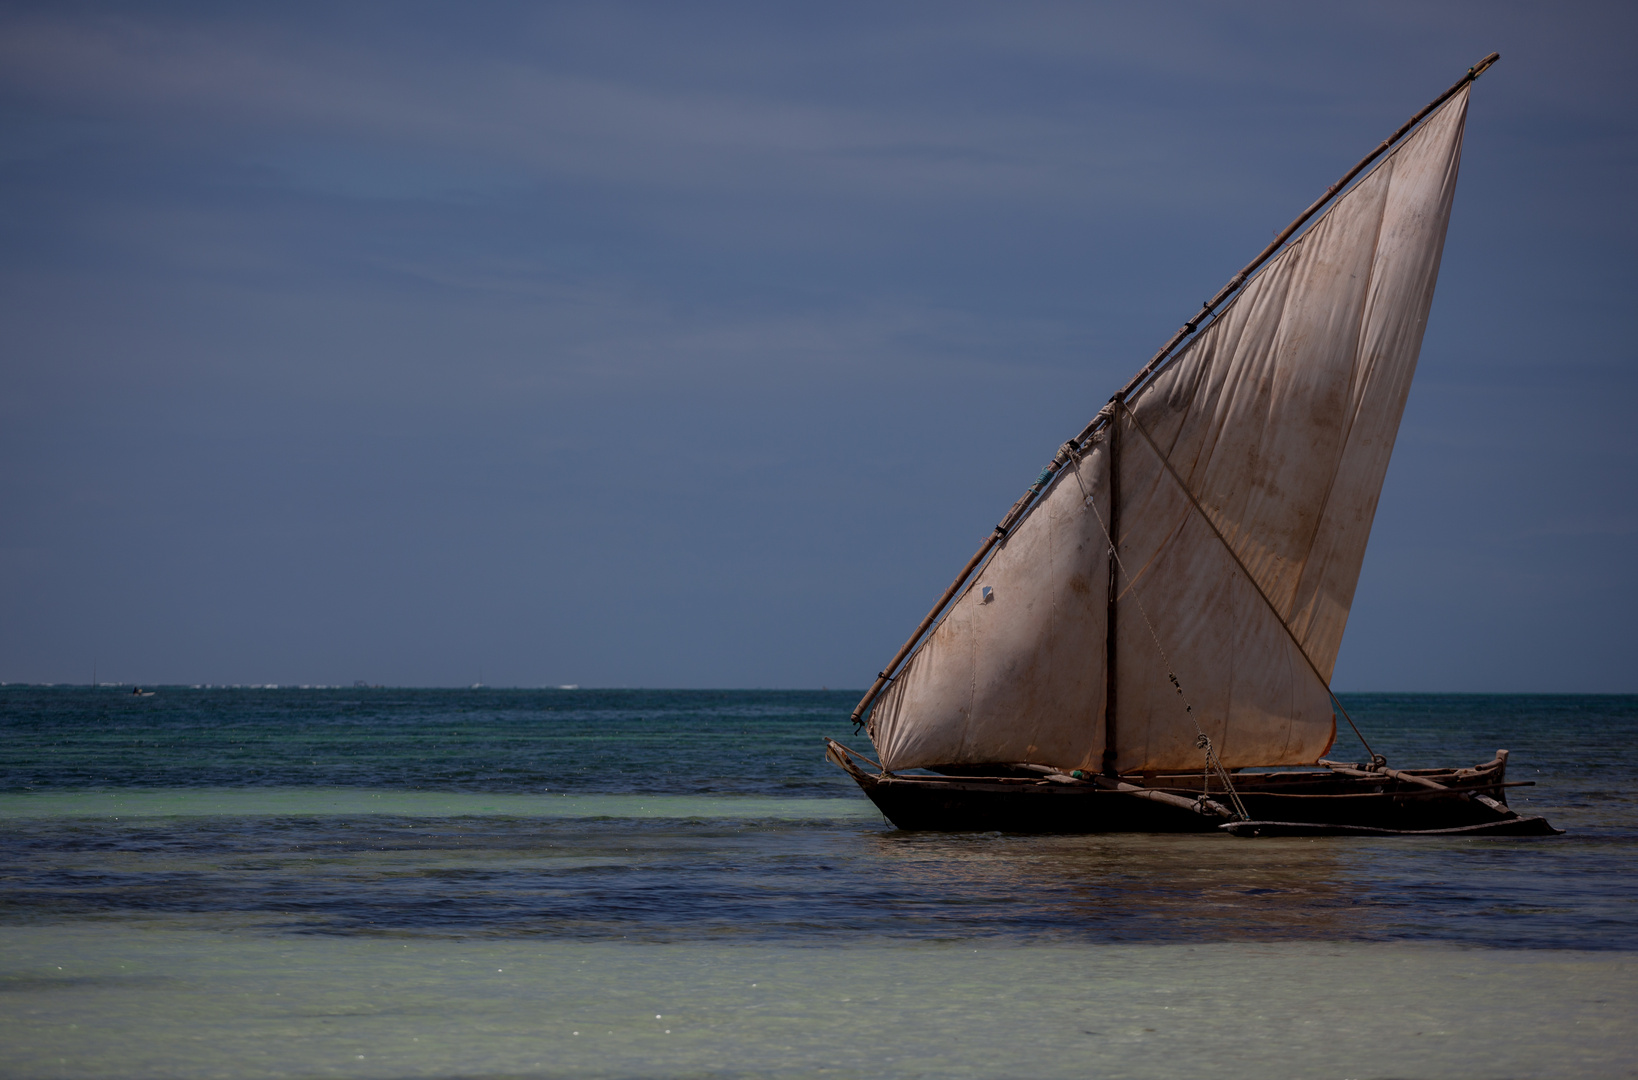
(1167, 352)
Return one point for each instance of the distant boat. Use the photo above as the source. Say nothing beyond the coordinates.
(1146, 641)
(140, 692)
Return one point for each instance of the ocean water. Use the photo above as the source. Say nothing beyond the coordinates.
(392, 883)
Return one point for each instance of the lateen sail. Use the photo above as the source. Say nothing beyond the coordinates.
(1249, 473)
(1017, 676)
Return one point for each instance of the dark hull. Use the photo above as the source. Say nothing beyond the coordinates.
(1277, 803)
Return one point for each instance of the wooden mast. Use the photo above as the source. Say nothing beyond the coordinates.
(1109, 685)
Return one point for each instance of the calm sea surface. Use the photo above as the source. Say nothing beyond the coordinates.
(386, 883)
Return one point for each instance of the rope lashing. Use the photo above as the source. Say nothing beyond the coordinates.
(1213, 762)
(858, 721)
(1201, 739)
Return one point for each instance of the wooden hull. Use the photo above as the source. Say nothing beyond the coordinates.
(1277, 803)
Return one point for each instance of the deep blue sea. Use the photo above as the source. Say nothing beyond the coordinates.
(429, 883)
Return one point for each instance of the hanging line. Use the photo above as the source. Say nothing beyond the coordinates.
(1376, 759)
(1201, 739)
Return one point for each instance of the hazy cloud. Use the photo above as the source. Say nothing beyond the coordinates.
(693, 345)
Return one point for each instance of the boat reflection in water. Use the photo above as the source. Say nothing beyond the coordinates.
(1131, 887)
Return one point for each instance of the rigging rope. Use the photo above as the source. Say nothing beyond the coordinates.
(1201, 739)
(1188, 493)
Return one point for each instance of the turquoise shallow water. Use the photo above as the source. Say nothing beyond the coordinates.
(97, 1001)
(308, 883)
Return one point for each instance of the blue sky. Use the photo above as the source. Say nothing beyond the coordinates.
(698, 345)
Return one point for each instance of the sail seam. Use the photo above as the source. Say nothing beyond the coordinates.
(1166, 463)
(1355, 387)
(1171, 534)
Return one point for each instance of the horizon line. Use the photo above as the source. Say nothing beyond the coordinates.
(576, 688)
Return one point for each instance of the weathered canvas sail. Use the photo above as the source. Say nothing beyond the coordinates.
(1015, 673)
(1249, 471)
